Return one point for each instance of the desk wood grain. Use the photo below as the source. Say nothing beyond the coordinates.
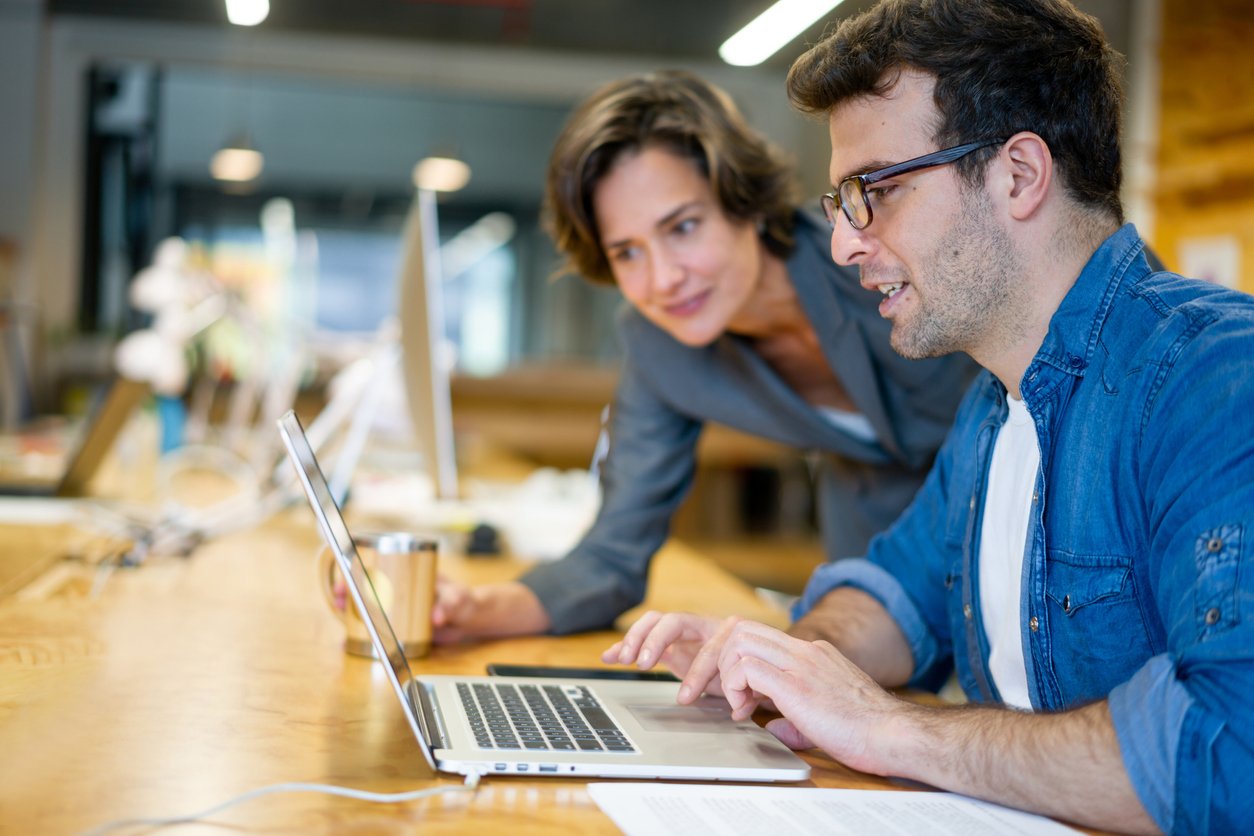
(188, 681)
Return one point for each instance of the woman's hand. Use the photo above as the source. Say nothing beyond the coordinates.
(464, 612)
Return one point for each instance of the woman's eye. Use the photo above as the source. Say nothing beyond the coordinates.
(624, 254)
(686, 226)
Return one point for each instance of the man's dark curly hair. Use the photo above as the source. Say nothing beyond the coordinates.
(1001, 66)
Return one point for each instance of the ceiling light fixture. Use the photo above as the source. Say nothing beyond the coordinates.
(441, 174)
(767, 33)
(247, 12)
(237, 161)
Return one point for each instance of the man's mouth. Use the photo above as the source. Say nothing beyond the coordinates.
(890, 291)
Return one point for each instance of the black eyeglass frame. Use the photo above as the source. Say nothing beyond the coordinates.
(857, 183)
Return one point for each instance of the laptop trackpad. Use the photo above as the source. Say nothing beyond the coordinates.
(680, 718)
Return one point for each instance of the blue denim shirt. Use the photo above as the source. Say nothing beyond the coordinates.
(1138, 583)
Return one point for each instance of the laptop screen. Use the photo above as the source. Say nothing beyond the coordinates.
(335, 533)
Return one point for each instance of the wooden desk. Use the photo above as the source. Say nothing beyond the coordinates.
(187, 682)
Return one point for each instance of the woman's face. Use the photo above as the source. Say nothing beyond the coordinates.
(676, 256)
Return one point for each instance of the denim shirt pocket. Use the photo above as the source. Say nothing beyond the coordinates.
(1097, 630)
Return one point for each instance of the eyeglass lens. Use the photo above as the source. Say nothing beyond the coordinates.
(851, 200)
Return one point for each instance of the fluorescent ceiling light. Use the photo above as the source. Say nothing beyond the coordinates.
(767, 33)
(237, 162)
(247, 12)
(441, 174)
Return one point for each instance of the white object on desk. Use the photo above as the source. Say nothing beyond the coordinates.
(541, 518)
(23, 510)
(687, 809)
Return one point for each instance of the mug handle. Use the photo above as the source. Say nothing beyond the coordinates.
(328, 569)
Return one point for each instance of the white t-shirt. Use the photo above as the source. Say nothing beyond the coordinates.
(854, 423)
(1003, 541)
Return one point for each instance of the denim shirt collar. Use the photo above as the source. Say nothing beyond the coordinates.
(1076, 325)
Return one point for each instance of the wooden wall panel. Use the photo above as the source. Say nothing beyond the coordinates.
(1206, 152)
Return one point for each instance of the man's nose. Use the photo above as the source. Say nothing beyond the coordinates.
(849, 246)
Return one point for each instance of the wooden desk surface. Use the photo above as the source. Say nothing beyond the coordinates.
(189, 681)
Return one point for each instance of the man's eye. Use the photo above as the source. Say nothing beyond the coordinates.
(686, 226)
(878, 193)
(624, 254)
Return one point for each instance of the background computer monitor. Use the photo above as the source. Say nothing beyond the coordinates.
(424, 366)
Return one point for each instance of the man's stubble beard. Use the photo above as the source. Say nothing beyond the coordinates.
(971, 291)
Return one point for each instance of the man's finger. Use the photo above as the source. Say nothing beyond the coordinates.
(789, 734)
(704, 665)
(629, 644)
(670, 629)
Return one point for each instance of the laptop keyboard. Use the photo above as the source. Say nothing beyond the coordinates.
(542, 717)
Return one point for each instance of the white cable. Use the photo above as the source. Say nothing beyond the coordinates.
(221, 460)
(471, 784)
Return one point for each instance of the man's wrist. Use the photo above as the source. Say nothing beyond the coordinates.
(910, 740)
(859, 626)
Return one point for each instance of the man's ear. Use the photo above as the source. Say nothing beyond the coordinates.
(1030, 167)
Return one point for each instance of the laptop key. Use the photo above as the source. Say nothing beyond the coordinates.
(599, 720)
(561, 718)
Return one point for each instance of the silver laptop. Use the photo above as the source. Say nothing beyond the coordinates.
(532, 726)
(102, 428)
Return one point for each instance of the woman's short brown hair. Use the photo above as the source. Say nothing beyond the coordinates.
(752, 178)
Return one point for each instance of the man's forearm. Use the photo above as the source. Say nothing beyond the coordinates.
(861, 629)
(1067, 765)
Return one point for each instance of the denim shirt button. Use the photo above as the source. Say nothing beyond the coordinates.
(1066, 603)
(1033, 624)
(1212, 616)
(966, 611)
(1075, 362)
(949, 581)
(1214, 545)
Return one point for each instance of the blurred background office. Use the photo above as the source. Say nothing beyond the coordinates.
(117, 114)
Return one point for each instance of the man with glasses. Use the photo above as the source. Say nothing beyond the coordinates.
(1081, 553)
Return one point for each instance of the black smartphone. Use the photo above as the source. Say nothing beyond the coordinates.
(546, 671)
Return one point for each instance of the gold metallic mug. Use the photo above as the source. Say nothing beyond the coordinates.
(402, 569)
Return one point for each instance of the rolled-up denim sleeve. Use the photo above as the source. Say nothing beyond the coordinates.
(1188, 756)
(883, 587)
(1185, 720)
(1148, 712)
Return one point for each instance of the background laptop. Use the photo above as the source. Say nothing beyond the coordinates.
(520, 725)
(96, 439)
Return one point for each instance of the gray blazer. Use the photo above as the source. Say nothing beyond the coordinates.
(667, 391)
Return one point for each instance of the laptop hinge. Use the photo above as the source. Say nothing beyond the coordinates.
(428, 716)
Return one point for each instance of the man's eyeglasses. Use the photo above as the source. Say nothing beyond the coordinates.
(851, 193)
